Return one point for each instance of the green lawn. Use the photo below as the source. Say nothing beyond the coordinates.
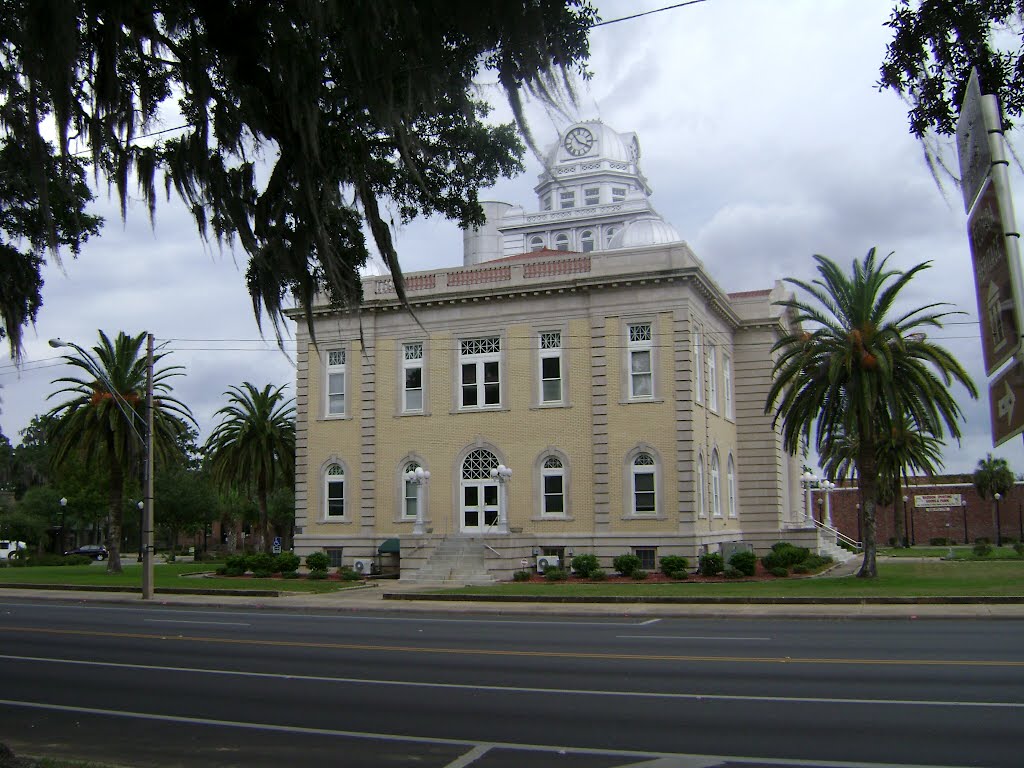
(166, 574)
(894, 580)
(960, 553)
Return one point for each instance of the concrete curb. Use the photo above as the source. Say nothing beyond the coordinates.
(662, 600)
(160, 591)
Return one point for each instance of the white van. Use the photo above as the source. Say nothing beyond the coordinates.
(8, 548)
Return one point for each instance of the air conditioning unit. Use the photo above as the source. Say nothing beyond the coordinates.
(362, 565)
(546, 561)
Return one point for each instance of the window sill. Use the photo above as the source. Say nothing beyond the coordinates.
(485, 409)
(645, 517)
(546, 406)
(636, 400)
(404, 414)
(335, 417)
(343, 520)
(553, 519)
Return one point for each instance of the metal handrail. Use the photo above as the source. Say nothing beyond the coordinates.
(835, 532)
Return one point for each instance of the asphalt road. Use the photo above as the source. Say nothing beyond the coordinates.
(150, 685)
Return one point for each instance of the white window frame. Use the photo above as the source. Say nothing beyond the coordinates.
(328, 482)
(587, 241)
(552, 471)
(591, 195)
(730, 487)
(479, 359)
(545, 202)
(702, 497)
(727, 385)
(711, 351)
(410, 492)
(562, 241)
(411, 364)
(698, 364)
(566, 199)
(609, 233)
(549, 345)
(619, 194)
(636, 346)
(716, 487)
(335, 369)
(536, 243)
(638, 467)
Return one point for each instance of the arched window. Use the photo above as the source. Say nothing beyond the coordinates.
(644, 484)
(716, 490)
(702, 501)
(730, 487)
(334, 492)
(536, 243)
(561, 242)
(552, 478)
(411, 493)
(587, 240)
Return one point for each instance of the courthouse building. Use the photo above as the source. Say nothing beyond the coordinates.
(579, 383)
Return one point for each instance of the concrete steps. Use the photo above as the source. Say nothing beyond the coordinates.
(455, 560)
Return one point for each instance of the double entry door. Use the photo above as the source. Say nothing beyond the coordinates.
(480, 505)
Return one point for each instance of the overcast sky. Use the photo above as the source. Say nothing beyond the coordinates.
(764, 138)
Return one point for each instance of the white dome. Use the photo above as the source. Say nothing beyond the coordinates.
(607, 144)
(647, 230)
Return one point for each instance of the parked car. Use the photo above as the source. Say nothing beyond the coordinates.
(9, 549)
(95, 551)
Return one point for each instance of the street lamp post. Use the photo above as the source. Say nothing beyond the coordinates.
(906, 526)
(147, 440)
(63, 506)
(828, 487)
(999, 528)
(502, 474)
(419, 478)
(963, 504)
(808, 479)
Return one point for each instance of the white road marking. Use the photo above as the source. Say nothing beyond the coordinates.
(470, 757)
(369, 735)
(691, 637)
(521, 689)
(185, 621)
(649, 621)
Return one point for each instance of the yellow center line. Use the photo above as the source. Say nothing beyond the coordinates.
(516, 652)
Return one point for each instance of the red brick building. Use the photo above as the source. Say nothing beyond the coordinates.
(942, 507)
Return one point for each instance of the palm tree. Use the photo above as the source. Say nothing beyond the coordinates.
(857, 368)
(105, 417)
(993, 476)
(254, 445)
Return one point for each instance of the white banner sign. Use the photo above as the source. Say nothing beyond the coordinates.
(937, 500)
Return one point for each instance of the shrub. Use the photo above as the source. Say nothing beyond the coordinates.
(785, 555)
(556, 574)
(626, 564)
(1019, 548)
(222, 571)
(289, 574)
(982, 549)
(521, 576)
(732, 572)
(347, 574)
(815, 562)
(260, 561)
(236, 561)
(801, 568)
(778, 571)
(639, 574)
(940, 541)
(234, 570)
(893, 541)
(744, 562)
(317, 573)
(983, 540)
(599, 575)
(671, 563)
(711, 564)
(679, 575)
(317, 561)
(262, 573)
(286, 561)
(584, 565)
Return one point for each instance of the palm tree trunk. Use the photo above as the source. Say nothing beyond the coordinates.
(263, 544)
(116, 500)
(868, 482)
(899, 523)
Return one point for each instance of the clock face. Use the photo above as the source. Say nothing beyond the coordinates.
(578, 141)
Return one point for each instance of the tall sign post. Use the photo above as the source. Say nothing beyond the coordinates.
(994, 240)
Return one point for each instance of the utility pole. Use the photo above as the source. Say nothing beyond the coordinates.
(147, 512)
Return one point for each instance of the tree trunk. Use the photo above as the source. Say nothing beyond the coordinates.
(263, 538)
(868, 482)
(116, 501)
(899, 509)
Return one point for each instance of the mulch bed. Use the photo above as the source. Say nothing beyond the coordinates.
(657, 577)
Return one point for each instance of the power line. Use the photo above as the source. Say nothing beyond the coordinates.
(647, 13)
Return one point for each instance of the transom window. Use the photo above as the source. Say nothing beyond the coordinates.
(591, 195)
(644, 494)
(551, 367)
(641, 376)
(478, 465)
(412, 375)
(335, 491)
(553, 487)
(480, 365)
(336, 382)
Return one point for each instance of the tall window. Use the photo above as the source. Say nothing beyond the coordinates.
(412, 375)
(536, 243)
(567, 199)
(411, 495)
(698, 364)
(587, 240)
(334, 491)
(553, 485)
(702, 501)
(591, 195)
(727, 384)
(644, 496)
(730, 487)
(716, 488)
(561, 242)
(551, 367)
(479, 363)
(641, 376)
(336, 382)
(712, 355)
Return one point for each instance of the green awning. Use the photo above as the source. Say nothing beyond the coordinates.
(390, 547)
